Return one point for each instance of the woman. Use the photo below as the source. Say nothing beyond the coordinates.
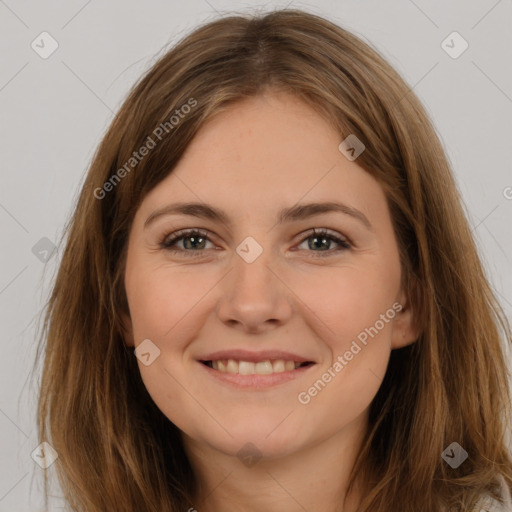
(199, 355)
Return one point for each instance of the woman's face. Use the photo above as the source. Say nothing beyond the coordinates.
(261, 293)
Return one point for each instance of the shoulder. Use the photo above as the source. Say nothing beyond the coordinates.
(489, 504)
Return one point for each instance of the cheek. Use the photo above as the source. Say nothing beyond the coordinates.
(349, 299)
(161, 297)
(345, 390)
(357, 308)
(353, 307)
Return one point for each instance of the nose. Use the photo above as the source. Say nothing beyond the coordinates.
(254, 297)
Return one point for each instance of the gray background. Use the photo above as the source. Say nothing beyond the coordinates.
(54, 112)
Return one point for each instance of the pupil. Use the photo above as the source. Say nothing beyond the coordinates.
(193, 239)
(323, 240)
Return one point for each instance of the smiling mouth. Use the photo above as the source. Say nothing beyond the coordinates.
(267, 367)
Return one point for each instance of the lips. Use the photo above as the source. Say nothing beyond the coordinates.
(255, 357)
(255, 381)
(245, 362)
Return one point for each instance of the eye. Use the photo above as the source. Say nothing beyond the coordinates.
(322, 238)
(194, 240)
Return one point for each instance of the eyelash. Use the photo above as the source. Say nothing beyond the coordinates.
(170, 240)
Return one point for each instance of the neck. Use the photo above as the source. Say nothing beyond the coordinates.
(315, 478)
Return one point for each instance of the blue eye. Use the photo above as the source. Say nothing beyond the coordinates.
(194, 241)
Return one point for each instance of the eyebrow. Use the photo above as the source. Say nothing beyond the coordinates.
(294, 213)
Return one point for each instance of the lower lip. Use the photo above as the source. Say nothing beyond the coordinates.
(256, 381)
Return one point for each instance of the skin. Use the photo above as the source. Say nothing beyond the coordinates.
(263, 154)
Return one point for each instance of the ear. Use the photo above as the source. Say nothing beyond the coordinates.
(127, 329)
(406, 330)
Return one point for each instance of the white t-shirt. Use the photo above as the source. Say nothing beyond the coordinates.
(489, 504)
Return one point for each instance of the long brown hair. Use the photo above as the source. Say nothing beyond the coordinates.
(117, 451)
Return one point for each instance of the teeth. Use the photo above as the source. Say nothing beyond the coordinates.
(289, 365)
(232, 366)
(263, 368)
(249, 368)
(246, 368)
(278, 366)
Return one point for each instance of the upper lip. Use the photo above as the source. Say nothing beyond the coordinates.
(255, 357)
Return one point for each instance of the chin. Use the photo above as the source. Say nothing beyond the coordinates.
(270, 437)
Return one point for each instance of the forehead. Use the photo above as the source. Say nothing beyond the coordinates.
(262, 135)
(269, 150)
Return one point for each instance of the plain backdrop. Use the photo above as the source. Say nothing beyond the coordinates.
(54, 111)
